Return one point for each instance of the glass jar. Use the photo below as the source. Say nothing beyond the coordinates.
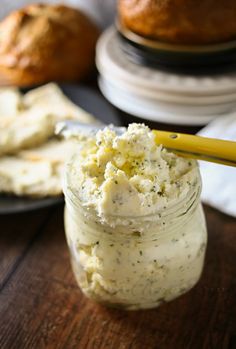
(137, 262)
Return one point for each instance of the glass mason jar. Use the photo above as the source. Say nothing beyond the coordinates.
(140, 262)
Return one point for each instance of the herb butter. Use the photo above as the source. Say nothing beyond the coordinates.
(133, 220)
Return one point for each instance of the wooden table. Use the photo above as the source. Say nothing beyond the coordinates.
(42, 307)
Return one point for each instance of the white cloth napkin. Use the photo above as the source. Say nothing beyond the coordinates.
(219, 181)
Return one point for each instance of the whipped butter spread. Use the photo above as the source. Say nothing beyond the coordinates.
(133, 220)
(129, 175)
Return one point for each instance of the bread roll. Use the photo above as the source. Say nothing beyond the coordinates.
(42, 43)
(187, 22)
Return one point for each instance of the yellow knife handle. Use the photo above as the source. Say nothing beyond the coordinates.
(210, 149)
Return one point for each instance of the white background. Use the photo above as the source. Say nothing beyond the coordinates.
(102, 11)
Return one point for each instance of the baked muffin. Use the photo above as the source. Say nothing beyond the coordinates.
(187, 22)
(43, 42)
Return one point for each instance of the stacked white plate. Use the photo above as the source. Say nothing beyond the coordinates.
(157, 95)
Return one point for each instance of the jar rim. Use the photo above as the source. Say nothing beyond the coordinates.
(174, 206)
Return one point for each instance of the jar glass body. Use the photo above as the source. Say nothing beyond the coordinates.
(139, 262)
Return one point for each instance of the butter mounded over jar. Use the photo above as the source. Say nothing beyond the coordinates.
(133, 219)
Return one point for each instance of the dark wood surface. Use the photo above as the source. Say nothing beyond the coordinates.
(42, 307)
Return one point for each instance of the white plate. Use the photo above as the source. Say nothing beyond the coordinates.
(171, 108)
(110, 53)
(161, 95)
(136, 107)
